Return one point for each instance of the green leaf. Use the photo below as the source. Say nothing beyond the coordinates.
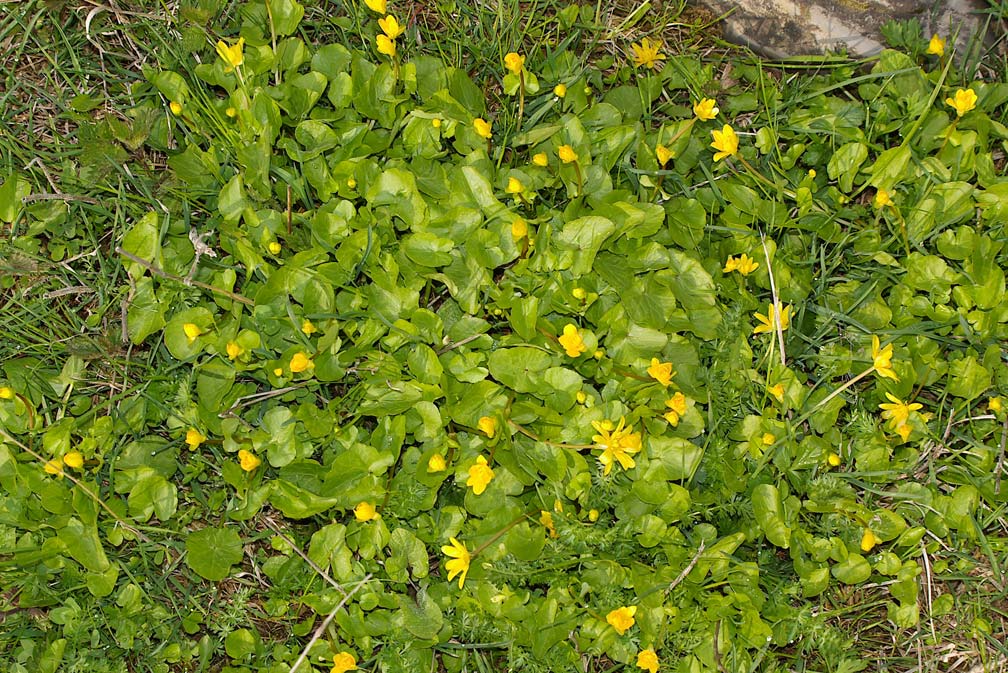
(769, 514)
(889, 168)
(845, 163)
(519, 368)
(82, 543)
(854, 570)
(286, 15)
(143, 240)
(583, 237)
(210, 552)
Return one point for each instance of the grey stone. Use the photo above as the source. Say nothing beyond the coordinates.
(784, 28)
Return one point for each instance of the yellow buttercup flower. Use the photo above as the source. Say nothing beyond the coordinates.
(647, 53)
(194, 438)
(385, 45)
(54, 467)
(567, 154)
(677, 405)
(300, 362)
(661, 372)
(436, 463)
(963, 101)
(480, 475)
(278, 371)
(560, 90)
(705, 109)
(390, 26)
(234, 350)
(882, 360)
(540, 159)
(664, 154)
(231, 54)
(308, 327)
(546, 519)
(833, 459)
(768, 438)
(768, 322)
(994, 404)
(175, 107)
(488, 426)
(777, 391)
(74, 460)
(744, 264)
(344, 661)
(622, 618)
(6, 393)
(882, 199)
(648, 660)
(482, 127)
(364, 512)
(618, 444)
(274, 247)
(869, 539)
(378, 7)
(514, 186)
(514, 62)
(192, 331)
(725, 142)
(519, 229)
(579, 293)
(571, 341)
(936, 46)
(460, 560)
(898, 412)
(248, 460)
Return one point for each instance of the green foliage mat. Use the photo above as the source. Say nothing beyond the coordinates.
(569, 377)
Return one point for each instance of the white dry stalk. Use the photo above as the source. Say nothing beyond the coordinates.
(201, 249)
(776, 310)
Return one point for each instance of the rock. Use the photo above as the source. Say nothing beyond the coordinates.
(784, 28)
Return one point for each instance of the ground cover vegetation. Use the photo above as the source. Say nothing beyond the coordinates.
(406, 337)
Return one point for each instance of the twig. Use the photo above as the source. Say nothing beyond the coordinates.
(325, 623)
(689, 567)
(156, 270)
(314, 566)
(777, 308)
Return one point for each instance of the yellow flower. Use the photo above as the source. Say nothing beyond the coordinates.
(385, 46)
(6, 393)
(234, 350)
(546, 519)
(677, 408)
(936, 46)
(248, 460)
(622, 618)
(192, 331)
(618, 445)
(768, 322)
(904, 431)
(869, 540)
(488, 426)
(581, 397)
(567, 154)
(232, 55)
(390, 26)
(768, 438)
(436, 463)
(897, 411)
(460, 559)
(194, 438)
(833, 459)
(811, 173)
(994, 404)
(560, 90)
(308, 327)
(54, 467)
(230, 111)
(579, 293)
(278, 371)
(378, 7)
(882, 359)
(540, 159)
(175, 107)
(647, 53)
(963, 101)
(882, 199)
(352, 184)
(300, 362)
(74, 459)
(514, 186)
(648, 660)
(777, 391)
(725, 142)
(436, 123)
(514, 63)
(364, 511)
(519, 229)
(480, 475)
(482, 127)
(661, 372)
(593, 515)
(571, 341)
(705, 109)
(664, 154)
(344, 661)
(274, 248)
(744, 264)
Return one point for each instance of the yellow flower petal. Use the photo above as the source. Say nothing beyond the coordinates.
(705, 109)
(622, 618)
(248, 460)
